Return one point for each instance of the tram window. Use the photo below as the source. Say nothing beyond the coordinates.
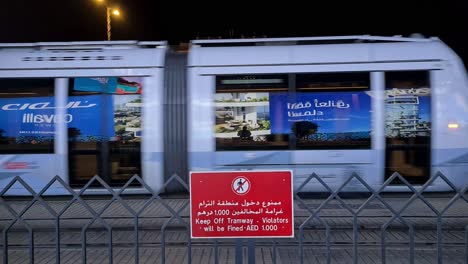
(243, 112)
(407, 105)
(27, 116)
(293, 111)
(408, 125)
(330, 111)
(106, 132)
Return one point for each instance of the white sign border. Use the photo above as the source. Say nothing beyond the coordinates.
(240, 171)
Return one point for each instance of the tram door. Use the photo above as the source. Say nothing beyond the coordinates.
(408, 125)
(104, 128)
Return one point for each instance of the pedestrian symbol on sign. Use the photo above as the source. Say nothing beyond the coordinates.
(241, 185)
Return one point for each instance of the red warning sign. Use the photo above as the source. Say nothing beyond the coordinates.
(241, 204)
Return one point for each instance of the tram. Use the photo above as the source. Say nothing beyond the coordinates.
(332, 106)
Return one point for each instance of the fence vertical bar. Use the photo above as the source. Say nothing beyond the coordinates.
(439, 239)
(110, 247)
(383, 247)
(251, 250)
(355, 239)
(273, 257)
(163, 246)
(301, 245)
(5, 247)
(327, 243)
(31, 247)
(57, 240)
(83, 247)
(238, 251)
(137, 250)
(466, 244)
(411, 233)
(189, 248)
(216, 252)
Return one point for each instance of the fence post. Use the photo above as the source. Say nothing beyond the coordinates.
(238, 251)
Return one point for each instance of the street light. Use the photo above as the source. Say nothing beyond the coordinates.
(109, 10)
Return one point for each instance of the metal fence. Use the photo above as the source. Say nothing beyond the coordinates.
(415, 227)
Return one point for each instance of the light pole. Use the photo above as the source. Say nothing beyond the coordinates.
(109, 10)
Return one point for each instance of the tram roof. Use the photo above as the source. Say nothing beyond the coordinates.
(317, 50)
(90, 54)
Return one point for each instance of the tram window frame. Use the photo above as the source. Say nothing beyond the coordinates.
(22, 89)
(408, 125)
(246, 93)
(113, 145)
(282, 93)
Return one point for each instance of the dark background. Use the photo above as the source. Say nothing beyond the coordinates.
(180, 21)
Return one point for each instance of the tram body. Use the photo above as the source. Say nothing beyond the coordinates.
(75, 110)
(332, 106)
(374, 107)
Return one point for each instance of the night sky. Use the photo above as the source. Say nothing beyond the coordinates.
(176, 21)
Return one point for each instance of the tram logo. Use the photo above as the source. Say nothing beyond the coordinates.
(46, 105)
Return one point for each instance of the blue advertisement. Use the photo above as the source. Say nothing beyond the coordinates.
(327, 112)
(100, 84)
(111, 85)
(36, 116)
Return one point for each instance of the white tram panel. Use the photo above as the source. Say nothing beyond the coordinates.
(85, 59)
(281, 57)
(450, 120)
(209, 58)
